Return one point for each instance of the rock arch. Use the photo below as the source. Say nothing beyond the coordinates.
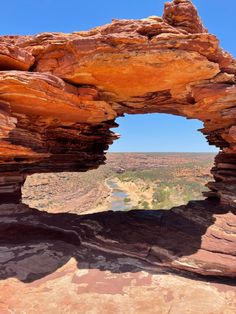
(61, 93)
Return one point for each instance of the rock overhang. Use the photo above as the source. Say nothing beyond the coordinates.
(60, 93)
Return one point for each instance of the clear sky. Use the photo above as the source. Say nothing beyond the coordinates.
(155, 132)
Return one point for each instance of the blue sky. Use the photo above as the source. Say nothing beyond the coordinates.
(154, 132)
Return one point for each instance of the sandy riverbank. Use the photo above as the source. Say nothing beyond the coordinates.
(138, 191)
(104, 202)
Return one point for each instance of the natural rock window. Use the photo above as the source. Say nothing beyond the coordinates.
(60, 95)
(132, 180)
(58, 117)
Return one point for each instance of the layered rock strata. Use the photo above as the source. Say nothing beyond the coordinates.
(61, 93)
(186, 238)
(117, 262)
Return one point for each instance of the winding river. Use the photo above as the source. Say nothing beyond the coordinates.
(117, 197)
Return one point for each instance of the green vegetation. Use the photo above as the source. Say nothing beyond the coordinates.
(173, 185)
(127, 200)
(151, 181)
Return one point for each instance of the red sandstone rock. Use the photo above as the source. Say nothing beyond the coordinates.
(169, 65)
(47, 96)
(198, 237)
(14, 58)
(183, 15)
(73, 290)
(58, 115)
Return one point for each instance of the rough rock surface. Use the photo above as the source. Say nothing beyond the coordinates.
(185, 238)
(59, 97)
(73, 289)
(117, 262)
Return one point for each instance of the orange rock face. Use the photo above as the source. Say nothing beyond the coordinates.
(59, 97)
(15, 58)
(71, 87)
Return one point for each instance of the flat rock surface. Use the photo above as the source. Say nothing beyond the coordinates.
(75, 288)
(117, 262)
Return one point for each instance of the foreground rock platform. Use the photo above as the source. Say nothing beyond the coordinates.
(73, 290)
(115, 262)
(188, 238)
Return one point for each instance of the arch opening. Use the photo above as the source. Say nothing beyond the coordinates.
(141, 172)
(60, 96)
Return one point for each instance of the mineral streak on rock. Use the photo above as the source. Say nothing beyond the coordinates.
(61, 93)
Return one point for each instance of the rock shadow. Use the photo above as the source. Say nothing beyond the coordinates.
(34, 244)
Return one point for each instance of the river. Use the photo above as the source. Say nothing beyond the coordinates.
(118, 197)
